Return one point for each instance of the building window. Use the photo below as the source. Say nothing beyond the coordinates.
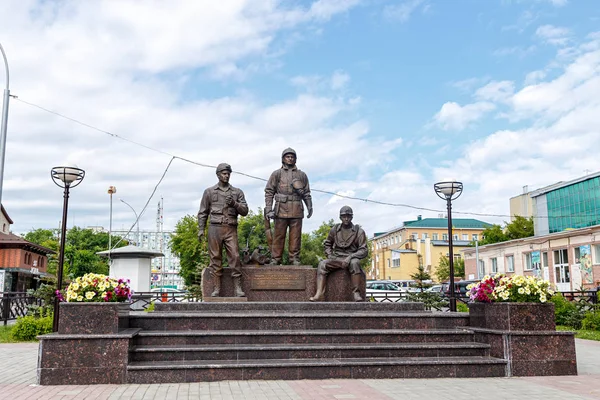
(481, 268)
(455, 236)
(445, 236)
(475, 237)
(414, 236)
(561, 266)
(456, 257)
(596, 252)
(494, 264)
(532, 261)
(424, 236)
(465, 236)
(510, 263)
(434, 236)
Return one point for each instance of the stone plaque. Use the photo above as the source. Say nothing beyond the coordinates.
(278, 280)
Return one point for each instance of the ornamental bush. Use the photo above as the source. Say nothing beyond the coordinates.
(98, 288)
(514, 289)
(591, 321)
(28, 327)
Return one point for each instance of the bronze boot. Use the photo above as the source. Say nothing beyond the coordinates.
(320, 295)
(217, 290)
(356, 279)
(237, 284)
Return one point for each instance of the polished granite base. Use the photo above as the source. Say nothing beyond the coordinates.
(283, 283)
(213, 341)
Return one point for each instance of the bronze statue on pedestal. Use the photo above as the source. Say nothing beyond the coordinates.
(222, 203)
(288, 187)
(345, 246)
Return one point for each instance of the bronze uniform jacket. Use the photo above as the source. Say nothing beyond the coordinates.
(213, 205)
(355, 245)
(288, 203)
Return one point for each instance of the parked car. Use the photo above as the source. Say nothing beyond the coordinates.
(460, 288)
(382, 290)
(435, 289)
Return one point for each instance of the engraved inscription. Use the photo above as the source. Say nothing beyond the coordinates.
(278, 280)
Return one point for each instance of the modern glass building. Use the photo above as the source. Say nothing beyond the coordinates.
(567, 205)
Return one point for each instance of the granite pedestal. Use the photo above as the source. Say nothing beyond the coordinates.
(283, 283)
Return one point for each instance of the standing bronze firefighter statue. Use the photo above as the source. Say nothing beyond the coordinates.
(222, 203)
(289, 187)
(345, 246)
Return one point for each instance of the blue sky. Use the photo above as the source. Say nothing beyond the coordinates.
(381, 99)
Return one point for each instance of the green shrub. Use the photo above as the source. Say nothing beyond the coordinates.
(566, 312)
(150, 307)
(28, 327)
(462, 307)
(591, 321)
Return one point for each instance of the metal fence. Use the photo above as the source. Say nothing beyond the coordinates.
(14, 304)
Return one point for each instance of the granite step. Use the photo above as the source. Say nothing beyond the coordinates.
(306, 350)
(202, 337)
(295, 320)
(145, 372)
(289, 306)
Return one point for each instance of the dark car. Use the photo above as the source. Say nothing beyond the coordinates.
(460, 288)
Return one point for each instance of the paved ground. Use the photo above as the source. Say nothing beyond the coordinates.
(18, 376)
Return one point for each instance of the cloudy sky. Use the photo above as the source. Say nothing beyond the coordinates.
(380, 98)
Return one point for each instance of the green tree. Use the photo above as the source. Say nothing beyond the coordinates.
(493, 234)
(420, 277)
(81, 246)
(312, 250)
(251, 231)
(193, 255)
(442, 271)
(521, 227)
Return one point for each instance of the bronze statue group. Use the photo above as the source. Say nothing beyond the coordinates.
(286, 193)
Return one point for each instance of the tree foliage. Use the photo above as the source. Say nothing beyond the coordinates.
(442, 271)
(421, 277)
(521, 227)
(81, 246)
(193, 255)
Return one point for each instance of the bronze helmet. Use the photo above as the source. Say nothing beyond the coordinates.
(346, 210)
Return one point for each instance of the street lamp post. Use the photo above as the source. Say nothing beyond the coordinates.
(4, 121)
(450, 190)
(111, 190)
(137, 221)
(64, 177)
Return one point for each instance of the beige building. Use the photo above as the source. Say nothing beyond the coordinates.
(397, 254)
(569, 259)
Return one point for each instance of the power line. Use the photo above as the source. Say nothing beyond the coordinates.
(173, 156)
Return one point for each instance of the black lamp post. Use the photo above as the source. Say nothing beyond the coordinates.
(64, 177)
(450, 190)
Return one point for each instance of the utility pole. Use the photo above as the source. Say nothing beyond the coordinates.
(4, 121)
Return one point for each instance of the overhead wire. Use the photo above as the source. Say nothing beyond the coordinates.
(174, 156)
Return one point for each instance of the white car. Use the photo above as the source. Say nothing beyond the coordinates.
(384, 291)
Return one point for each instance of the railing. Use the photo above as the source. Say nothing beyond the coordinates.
(14, 304)
(141, 300)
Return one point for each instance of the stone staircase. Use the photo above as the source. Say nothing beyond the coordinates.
(181, 342)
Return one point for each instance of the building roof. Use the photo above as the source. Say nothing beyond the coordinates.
(10, 240)
(457, 223)
(538, 239)
(459, 243)
(10, 221)
(558, 185)
(131, 252)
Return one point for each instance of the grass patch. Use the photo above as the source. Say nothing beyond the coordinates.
(5, 336)
(581, 334)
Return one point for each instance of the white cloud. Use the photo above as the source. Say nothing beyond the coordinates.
(558, 36)
(403, 11)
(496, 91)
(453, 116)
(339, 80)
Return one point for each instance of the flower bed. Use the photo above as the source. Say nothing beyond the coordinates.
(97, 288)
(510, 289)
